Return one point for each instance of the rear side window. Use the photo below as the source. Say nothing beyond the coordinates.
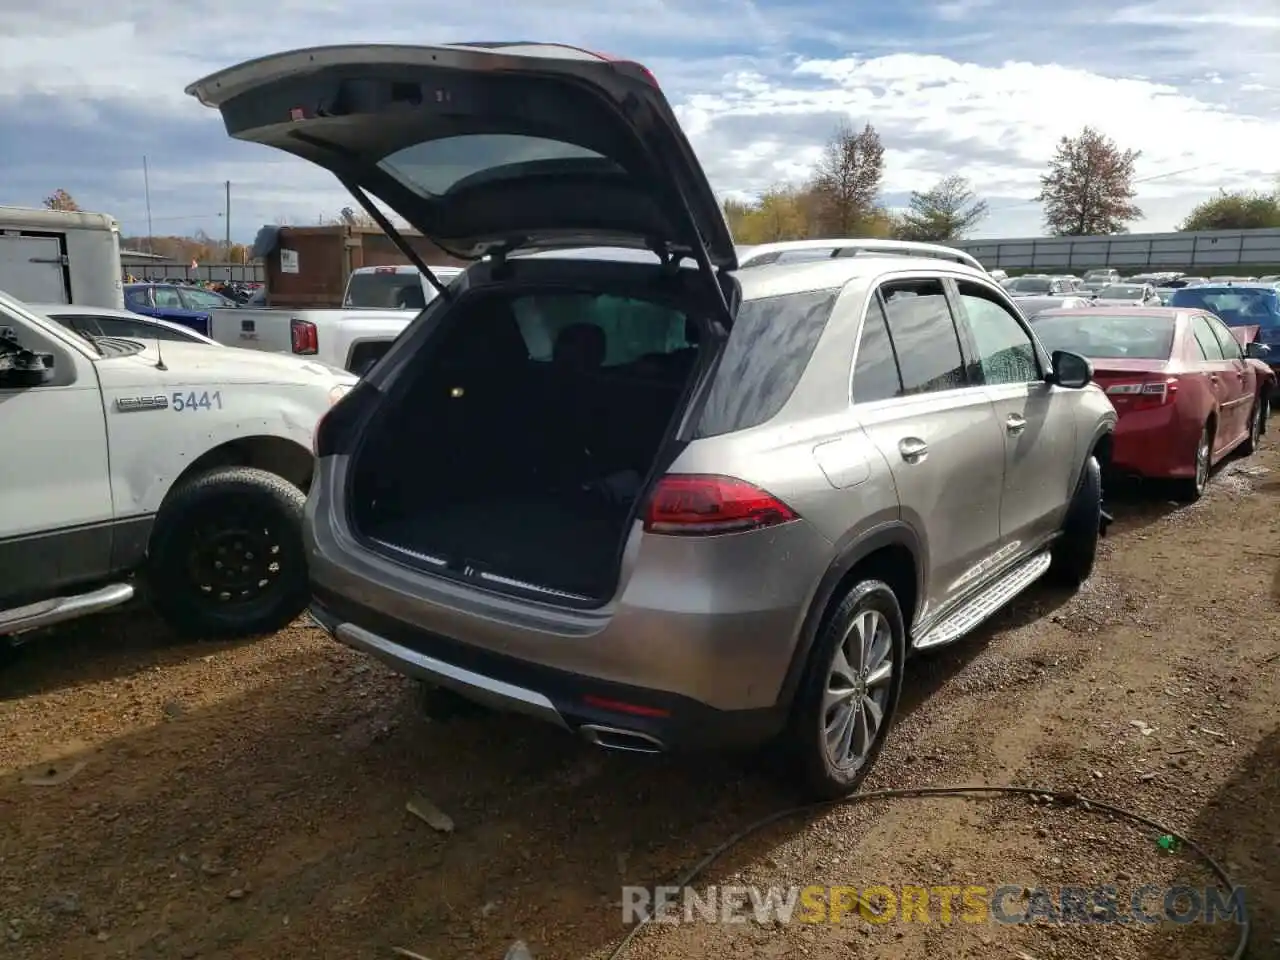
(386, 291)
(875, 374)
(924, 336)
(1209, 345)
(772, 341)
(1230, 346)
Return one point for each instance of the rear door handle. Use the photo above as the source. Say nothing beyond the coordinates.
(913, 449)
(1015, 423)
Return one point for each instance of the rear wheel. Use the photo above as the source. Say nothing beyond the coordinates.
(1192, 488)
(1256, 422)
(850, 692)
(1076, 548)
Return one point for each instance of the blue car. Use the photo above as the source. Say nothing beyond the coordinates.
(189, 306)
(1239, 305)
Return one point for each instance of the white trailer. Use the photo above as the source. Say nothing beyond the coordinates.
(55, 256)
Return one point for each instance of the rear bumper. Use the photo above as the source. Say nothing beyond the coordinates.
(1154, 444)
(563, 699)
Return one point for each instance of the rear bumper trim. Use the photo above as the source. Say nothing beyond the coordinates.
(476, 686)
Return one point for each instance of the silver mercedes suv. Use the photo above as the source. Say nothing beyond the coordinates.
(637, 492)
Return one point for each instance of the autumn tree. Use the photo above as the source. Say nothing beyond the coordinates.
(61, 200)
(944, 213)
(846, 182)
(1235, 210)
(781, 213)
(1088, 189)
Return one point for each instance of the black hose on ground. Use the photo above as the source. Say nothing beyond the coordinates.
(1067, 799)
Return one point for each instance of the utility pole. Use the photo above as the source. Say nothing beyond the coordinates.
(227, 217)
(146, 186)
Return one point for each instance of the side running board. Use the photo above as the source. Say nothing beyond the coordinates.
(46, 613)
(979, 608)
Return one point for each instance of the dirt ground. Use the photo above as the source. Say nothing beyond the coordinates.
(249, 800)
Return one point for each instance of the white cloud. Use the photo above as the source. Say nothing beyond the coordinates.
(975, 87)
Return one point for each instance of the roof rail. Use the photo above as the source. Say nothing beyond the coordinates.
(787, 251)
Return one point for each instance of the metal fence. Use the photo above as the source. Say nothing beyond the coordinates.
(1203, 250)
(170, 270)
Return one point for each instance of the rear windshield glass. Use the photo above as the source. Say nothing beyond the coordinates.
(435, 167)
(1030, 285)
(386, 291)
(1236, 306)
(770, 346)
(1121, 291)
(1133, 336)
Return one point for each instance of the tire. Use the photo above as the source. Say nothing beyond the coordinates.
(823, 776)
(1257, 423)
(1076, 548)
(232, 513)
(1192, 488)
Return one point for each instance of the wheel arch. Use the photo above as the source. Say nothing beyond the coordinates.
(896, 555)
(286, 459)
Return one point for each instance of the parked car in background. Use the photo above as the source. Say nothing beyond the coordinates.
(1102, 276)
(1126, 295)
(1184, 390)
(378, 304)
(1165, 295)
(622, 463)
(101, 322)
(1252, 306)
(1032, 286)
(181, 304)
(1271, 278)
(1030, 306)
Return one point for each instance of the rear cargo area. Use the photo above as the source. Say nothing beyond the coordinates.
(521, 440)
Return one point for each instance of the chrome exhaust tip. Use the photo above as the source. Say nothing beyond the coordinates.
(613, 738)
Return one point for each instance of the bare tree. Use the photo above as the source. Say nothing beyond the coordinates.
(1088, 189)
(61, 200)
(943, 213)
(846, 182)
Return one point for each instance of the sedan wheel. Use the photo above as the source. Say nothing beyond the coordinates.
(1256, 421)
(1192, 489)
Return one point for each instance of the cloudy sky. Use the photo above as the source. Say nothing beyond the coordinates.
(983, 88)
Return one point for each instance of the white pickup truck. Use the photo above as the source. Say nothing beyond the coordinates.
(378, 304)
(176, 468)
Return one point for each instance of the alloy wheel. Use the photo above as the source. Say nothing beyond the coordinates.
(858, 689)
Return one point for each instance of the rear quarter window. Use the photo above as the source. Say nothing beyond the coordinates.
(772, 341)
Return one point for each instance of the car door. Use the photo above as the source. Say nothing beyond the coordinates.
(55, 506)
(1240, 380)
(936, 430)
(1218, 372)
(1037, 419)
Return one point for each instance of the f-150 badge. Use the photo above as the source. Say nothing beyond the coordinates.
(133, 404)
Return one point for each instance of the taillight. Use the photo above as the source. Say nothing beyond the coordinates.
(702, 505)
(1145, 393)
(303, 336)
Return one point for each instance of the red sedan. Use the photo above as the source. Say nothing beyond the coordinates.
(1186, 392)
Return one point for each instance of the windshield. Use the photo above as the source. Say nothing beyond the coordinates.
(1130, 337)
(1236, 306)
(1030, 285)
(1121, 291)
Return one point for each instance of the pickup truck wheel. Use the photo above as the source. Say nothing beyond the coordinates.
(226, 556)
(1076, 548)
(850, 692)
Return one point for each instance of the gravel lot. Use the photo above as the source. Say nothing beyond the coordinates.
(249, 801)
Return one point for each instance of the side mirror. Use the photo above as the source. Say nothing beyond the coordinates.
(21, 368)
(1257, 351)
(1071, 370)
